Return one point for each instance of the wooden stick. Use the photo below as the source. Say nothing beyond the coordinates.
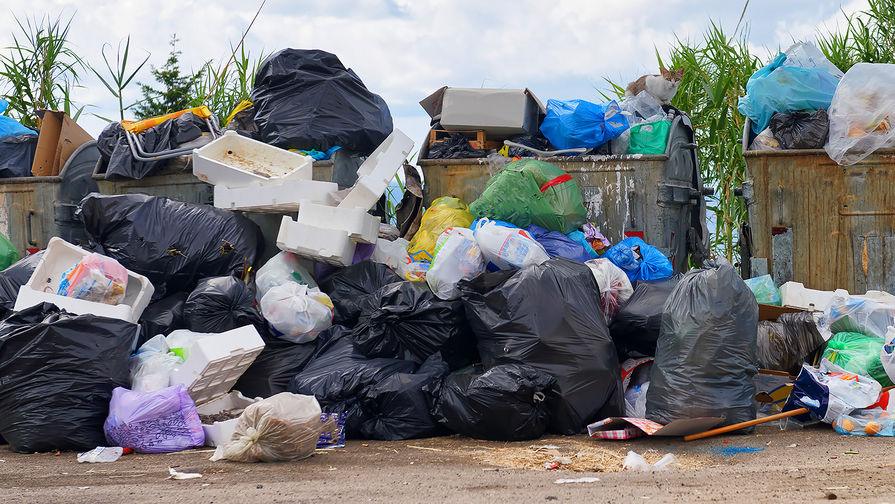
(743, 425)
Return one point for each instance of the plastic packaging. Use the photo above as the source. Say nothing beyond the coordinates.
(96, 278)
(764, 290)
(101, 454)
(635, 462)
(857, 353)
(279, 269)
(615, 288)
(347, 287)
(457, 257)
(279, 428)
(444, 213)
(787, 343)
(852, 314)
(642, 108)
(578, 123)
(512, 195)
(508, 248)
(152, 365)
(220, 304)
(639, 260)
(829, 391)
(394, 255)
(559, 245)
(636, 327)
(860, 121)
(705, 356)
(801, 130)
(560, 190)
(806, 55)
(765, 141)
(866, 422)
(650, 138)
(163, 421)
(296, 312)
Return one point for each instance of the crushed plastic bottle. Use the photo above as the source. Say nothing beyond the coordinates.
(101, 454)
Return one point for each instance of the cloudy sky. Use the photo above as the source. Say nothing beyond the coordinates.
(405, 49)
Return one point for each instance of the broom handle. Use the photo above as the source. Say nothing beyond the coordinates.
(743, 425)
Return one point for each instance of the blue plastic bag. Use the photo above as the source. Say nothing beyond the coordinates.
(639, 260)
(581, 238)
(559, 245)
(9, 126)
(777, 88)
(578, 123)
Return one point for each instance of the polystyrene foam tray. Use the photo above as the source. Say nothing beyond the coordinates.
(332, 246)
(285, 197)
(59, 257)
(360, 226)
(375, 174)
(215, 363)
(233, 160)
(218, 433)
(795, 294)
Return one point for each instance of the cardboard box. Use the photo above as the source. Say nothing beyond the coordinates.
(59, 137)
(498, 112)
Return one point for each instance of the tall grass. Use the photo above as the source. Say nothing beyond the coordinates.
(119, 76)
(868, 36)
(234, 83)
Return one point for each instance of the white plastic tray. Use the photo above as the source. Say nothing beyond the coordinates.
(360, 226)
(59, 257)
(236, 161)
(795, 295)
(284, 197)
(378, 170)
(332, 246)
(218, 433)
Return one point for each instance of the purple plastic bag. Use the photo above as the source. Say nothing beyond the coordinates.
(163, 421)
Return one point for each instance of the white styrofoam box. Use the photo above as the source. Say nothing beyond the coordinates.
(59, 257)
(375, 174)
(233, 160)
(360, 226)
(284, 197)
(214, 363)
(795, 295)
(332, 246)
(218, 433)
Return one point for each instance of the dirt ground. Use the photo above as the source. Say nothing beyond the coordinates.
(770, 465)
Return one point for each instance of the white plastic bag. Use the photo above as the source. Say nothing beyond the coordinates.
(279, 269)
(615, 287)
(635, 462)
(457, 257)
(861, 113)
(765, 141)
(282, 427)
(152, 365)
(296, 311)
(807, 55)
(508, 247)
(394, 255)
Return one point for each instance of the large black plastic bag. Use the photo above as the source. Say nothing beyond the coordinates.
(549, 316)
(162, 317)
(58, 371)
(785, 344)
(348, 287)
(506, 403)
(400, 407)
(17, 155)
(407, 321)
(219, 304)
(274, 367)
(455, 147)
(306, 99)
(172, 243)
(705, 356)
(339, 375)
(13, 278)
(635, 328)
(801, 130)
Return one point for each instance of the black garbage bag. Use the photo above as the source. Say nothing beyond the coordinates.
(58, 373)
(705, 356)
(506, 403)
(339, 375)
(13, 278)
(219, 304)
(116, 152)
(163, 317)
(538, 142)
(278, 362)
(635, 328)
(172, 243)
(399, 407)
(348, 287)
(17, 155)
(801, 130)
(787, 343)
(455, 147)
(549, 316)
(306, 99)
(406, 320)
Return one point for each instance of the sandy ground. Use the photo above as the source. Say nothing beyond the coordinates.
(810, 465)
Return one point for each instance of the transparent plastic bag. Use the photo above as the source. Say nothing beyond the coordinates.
(297, 312)
(852, 314)
(642, 108)
(152, 365)
(96, 278)
(508, 248)
(807, 55)
(280, 428)
(765, 141)
(615, 287)
(861, 113)
(866, 422)
(279, 269)
(444, 213)
(764, 289)
(394, 255)
(457, 257)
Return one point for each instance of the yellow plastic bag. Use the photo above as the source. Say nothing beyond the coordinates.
(445, 212)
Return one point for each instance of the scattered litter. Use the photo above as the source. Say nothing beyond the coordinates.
(792, 445)
(177, 475)
(424, 448)
(636, 462)
(101, 454)
(562, 481)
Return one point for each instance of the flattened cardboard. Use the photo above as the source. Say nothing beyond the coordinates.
(59, 137)
(627, 428)
(771, 312)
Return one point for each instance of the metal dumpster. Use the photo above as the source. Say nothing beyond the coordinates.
(659, 198)
(35, 209)
(818, 223)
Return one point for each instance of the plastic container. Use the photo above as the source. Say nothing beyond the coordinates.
(285, 197)
(60, 256)
(331, 246)
(214, 363)
(360, 226)
(218, 433)
(795, 295)
(374, 175)
(236, 161)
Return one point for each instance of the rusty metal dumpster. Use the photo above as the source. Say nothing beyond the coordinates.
(659, 198)
(818, 223)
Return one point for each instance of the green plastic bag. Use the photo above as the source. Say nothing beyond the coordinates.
(650, 138)
(560, 190)
(858, 354)
(764, 290)
(8, 254)
(513, 196)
